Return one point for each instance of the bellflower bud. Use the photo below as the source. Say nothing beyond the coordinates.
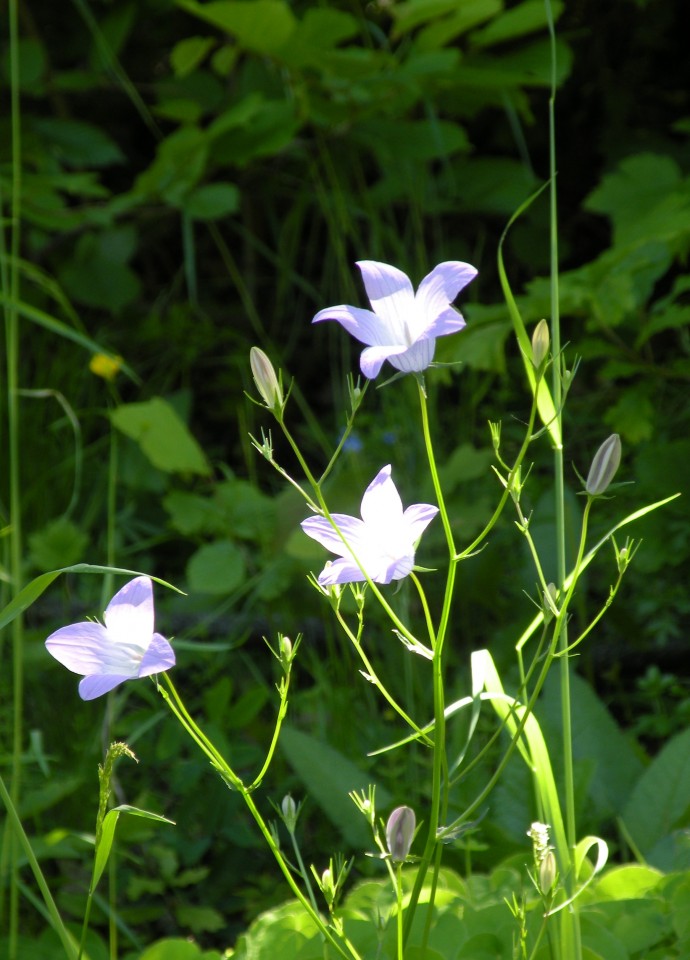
(541, 341)
(547, 872)
(266, 381)
(290, 812)
(604, 465)
(400, 832)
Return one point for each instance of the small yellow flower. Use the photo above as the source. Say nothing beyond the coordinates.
(105, 365)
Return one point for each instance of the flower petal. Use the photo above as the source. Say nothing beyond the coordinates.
(81, 647)
(418, 517)
(364, 325)
(392, 299)
(321, 530)
(372, 359)
(159, 657)
(438, 290)
(415, 358)
(129, 615)
(381, 503)
(340, 571)
(99, 683)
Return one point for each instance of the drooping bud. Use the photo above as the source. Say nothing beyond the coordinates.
(400, 832)
(266, 381)
(541, 341)
(604, 465)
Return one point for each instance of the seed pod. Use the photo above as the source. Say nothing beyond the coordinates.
(400, 832)
(604, 466)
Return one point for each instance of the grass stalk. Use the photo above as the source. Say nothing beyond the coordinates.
(13, 462)
(570, 937)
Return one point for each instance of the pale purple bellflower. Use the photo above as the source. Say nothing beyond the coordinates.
(383, 540)
(125, 648)
(402, 326)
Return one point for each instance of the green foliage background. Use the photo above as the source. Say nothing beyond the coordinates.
(200, 177)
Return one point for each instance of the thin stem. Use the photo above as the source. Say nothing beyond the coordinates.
(174, 702)
(66, 938)
(569, 924)
(439, 782)
(13, 457)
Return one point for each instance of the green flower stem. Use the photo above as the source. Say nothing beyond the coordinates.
(570, 945)
(177, 707)
(283, 690)
(399, 914)
(304, 873)
(13, 461)
(508, 483)
(371, 672)
(68, 941)
(425, 607)
(439, 782)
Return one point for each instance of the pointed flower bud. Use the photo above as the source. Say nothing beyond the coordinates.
(290, 812)
(550, 602)
(541, 341)
(604, 466)
(400, 832)
(547, 872)
(266, 381)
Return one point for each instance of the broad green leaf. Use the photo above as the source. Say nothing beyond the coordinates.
(458, 18)
(660, 801)
(178, 167)
(597, 738)
(187, 54)
(639, 184)
(527, 17)
(317, 33)
(32, 64)
(262, 26)
(212, 201)
(174, 949)
(59, 542)
(627, 882)
(416, 140)
(481, 344)
(216, 568)
(192, 514)
(638, 925)
(633, 416)
(162, 436)
(528, 66)
(286, 931)
(77, 144)
(270, 129)
(98, 274)
(328, 777)
(199, 919)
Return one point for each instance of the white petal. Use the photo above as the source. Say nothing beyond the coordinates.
(381, 503)
(129, 615)
(392, 299)
(415, 358)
